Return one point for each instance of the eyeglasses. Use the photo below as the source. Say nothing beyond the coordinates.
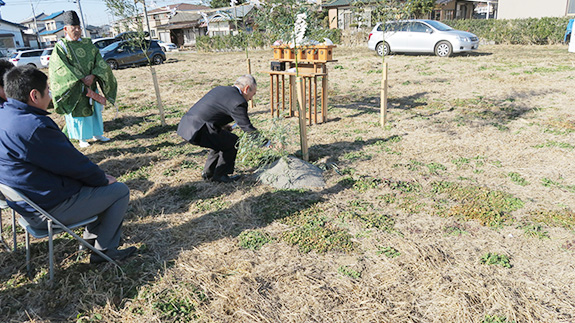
(75, 27)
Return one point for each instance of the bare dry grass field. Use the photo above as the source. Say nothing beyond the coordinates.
(460, 210)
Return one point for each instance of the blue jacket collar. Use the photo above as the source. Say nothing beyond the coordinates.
(15, 104)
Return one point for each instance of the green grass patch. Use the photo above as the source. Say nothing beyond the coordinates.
(177, 305)
(389, 252)
(357, 156)
(454, 230)
(403, 186)
(551, 183)
(490, 208)
(564, 218)
(349, 272)
(313, 231)
(517, 179)
(140, 173)
(555, 144)
(412, 204)
(253, 239)
(532, 230)
(279, 204)
(495, 319)
(495, 259)
(212, 205)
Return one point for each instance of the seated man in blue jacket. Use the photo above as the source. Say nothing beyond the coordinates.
(37, 159)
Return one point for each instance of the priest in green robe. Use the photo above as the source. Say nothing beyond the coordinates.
(76, 70)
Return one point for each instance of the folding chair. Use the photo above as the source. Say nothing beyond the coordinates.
(54, 227)
(4, 205)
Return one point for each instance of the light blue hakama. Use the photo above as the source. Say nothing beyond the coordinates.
(86, 127)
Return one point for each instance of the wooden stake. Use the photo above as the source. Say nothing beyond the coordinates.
(272, 94)
(302, 126)
(158, 98)
(383, 106)
(250, 72)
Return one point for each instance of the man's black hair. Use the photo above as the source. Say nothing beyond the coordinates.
(20, 81)
(5, 66)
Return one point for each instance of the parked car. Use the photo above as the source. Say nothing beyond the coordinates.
(128, 53)
(27, 57)
(103, 42)
(45, 57)
(420, 36)
(167, 47)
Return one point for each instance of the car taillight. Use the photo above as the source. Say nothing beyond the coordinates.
(369, 36)
(14, 60)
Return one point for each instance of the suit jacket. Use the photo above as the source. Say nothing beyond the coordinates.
(217, 108)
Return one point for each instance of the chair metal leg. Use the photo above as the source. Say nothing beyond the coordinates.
(14, 228)
(51, 249)
(28, 253)
(1, 234)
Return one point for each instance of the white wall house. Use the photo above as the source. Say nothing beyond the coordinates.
(10, 37)
(513, 9)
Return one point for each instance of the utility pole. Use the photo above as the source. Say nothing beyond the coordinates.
(84, 31)
(36, 26)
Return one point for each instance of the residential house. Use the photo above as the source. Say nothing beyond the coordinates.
(182, 29)
(182, 23)
(34, 25)
(163, 20)
(453, 9)
(344, 14)
(11, 37)
(511, 9)
(54, 28)
(229, 20)
(166, 16)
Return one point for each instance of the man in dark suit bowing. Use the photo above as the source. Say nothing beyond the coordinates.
(207, 124)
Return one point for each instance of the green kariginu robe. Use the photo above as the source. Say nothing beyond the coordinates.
(69, 63)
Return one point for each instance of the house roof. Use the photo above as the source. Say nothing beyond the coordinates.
(50, 32)
(339, 3)
(52, 16)
(183, 16)
(179, 7)
(230, 13)
(13, 24)
(38, 17)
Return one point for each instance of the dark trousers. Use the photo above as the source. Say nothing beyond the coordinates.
(222, 157)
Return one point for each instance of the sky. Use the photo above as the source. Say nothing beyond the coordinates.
(95, 11)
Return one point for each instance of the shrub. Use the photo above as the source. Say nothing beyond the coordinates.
(528, 31)
(253, 40)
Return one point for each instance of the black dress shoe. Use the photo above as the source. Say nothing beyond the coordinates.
(115, 254)
(226, 178)
(207, 177)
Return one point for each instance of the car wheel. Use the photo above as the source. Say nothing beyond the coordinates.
(113, 64)
(443, 49)
(157, 60)
(32, 64)
(382, 49)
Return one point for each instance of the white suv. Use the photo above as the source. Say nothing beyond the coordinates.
(27, 57)
(420, 36)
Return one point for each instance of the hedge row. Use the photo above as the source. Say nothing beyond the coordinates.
(243, 40)
(530, 31)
